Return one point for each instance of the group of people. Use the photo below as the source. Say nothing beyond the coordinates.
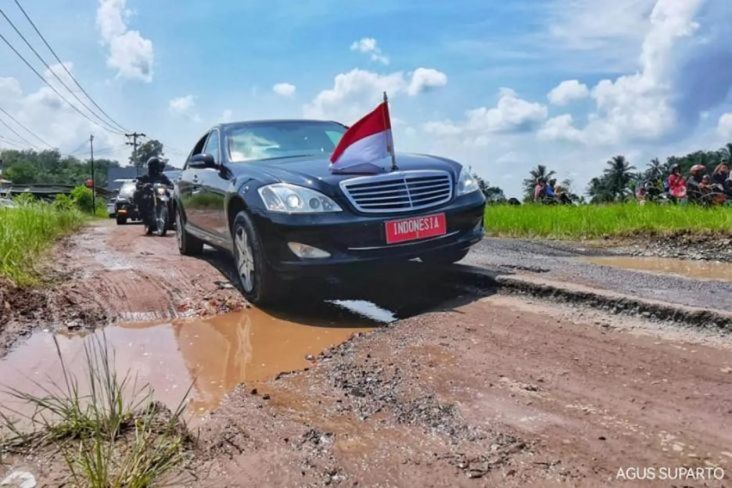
(700, 187)
(547, 191)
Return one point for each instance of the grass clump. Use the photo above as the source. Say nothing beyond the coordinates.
(599, 221)
(110, 435)
(26, 230)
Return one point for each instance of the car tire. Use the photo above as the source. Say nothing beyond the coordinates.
(445, 257)
(188, 245)
(121, 220)
(257, 281)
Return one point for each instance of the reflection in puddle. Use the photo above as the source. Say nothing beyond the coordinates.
(214, 354)
(707, 270)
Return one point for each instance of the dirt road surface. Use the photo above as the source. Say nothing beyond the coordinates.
(470, 387)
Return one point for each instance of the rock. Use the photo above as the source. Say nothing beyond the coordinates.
(19, 479)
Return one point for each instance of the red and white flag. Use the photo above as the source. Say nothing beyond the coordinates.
(366, 141)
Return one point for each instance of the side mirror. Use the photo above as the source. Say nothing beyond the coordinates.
(202, 160)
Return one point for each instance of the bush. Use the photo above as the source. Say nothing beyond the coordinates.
(83, 197)
(63, 202)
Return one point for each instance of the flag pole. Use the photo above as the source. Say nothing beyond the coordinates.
(390, 141)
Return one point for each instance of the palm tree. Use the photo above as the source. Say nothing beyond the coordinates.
(598, 191)
(618, 176)
(540, 172)
(654, 171)
(726, 151)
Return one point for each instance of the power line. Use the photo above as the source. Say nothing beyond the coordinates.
(68, 72)
(24, 127)
(18, 135)
(4, 39)
(55, 75)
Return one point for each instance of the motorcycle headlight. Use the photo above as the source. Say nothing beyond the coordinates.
(286, 198)
(466, 182)
(161, 191)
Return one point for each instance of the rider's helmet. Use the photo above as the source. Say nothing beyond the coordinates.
(154, 166)
(698, 169)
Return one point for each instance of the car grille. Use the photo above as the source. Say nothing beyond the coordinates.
(398, 192)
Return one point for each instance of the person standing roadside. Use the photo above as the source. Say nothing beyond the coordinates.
(676, 184)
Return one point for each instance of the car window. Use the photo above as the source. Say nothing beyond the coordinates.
(198, 148)
(212, 145)
(127, 189)
(263, 140)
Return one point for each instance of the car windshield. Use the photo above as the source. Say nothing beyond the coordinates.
(265, 140)
(127, 189)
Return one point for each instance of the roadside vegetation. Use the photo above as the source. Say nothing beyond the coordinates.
(105, 430)
(599, 221)
(30, 226)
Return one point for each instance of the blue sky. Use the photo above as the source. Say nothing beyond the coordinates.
(499, 86)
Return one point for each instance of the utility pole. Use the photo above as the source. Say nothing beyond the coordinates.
(94, 183)
(134, 137)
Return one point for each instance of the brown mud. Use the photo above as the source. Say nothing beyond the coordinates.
(470, 388)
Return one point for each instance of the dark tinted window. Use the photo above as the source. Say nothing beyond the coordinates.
(263, 140)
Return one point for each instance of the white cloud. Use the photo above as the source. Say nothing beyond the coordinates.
(568, 91)
(724, 126)
(560, 128)
(129, 53)
(511, 114)
(368, 45)
(284, 89)
(358, 91)
(50, 118)
(182, 104)
(424, 79)
(672, 87)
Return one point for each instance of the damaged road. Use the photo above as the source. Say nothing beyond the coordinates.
(418, 377)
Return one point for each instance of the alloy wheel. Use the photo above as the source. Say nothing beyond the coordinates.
(245, 259)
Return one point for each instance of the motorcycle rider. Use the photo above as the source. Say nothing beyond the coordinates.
(154, 175)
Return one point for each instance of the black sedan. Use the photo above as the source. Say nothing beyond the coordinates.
(263, 191)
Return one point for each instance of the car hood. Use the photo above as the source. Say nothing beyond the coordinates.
(314, 171)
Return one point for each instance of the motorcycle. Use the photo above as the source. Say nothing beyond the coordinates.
(156, 208)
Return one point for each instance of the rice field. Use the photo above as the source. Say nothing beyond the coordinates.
(26, 231)
(598, 221)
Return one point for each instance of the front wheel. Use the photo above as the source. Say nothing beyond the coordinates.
(161, 219)
(257, 280)
(445, 257)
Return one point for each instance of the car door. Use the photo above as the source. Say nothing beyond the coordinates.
(214, 183)
(189, 188)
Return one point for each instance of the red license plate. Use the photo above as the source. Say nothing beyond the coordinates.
(415, 228)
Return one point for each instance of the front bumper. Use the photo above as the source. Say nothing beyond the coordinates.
(352, 239)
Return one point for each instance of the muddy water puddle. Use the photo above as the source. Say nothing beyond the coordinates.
(706, 270)
(214, 355)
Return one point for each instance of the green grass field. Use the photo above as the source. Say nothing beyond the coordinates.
(597, 221)
(26, 231)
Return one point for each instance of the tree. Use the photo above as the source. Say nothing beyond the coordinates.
(540, 172)
(617, 177)
(598, 191)
(50, 167)
(492, 194)
(147, 150)
(654, 171)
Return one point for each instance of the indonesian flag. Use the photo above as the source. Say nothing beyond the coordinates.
(365, 142)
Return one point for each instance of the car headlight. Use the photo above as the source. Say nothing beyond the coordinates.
(286, 198)
(466, 182)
